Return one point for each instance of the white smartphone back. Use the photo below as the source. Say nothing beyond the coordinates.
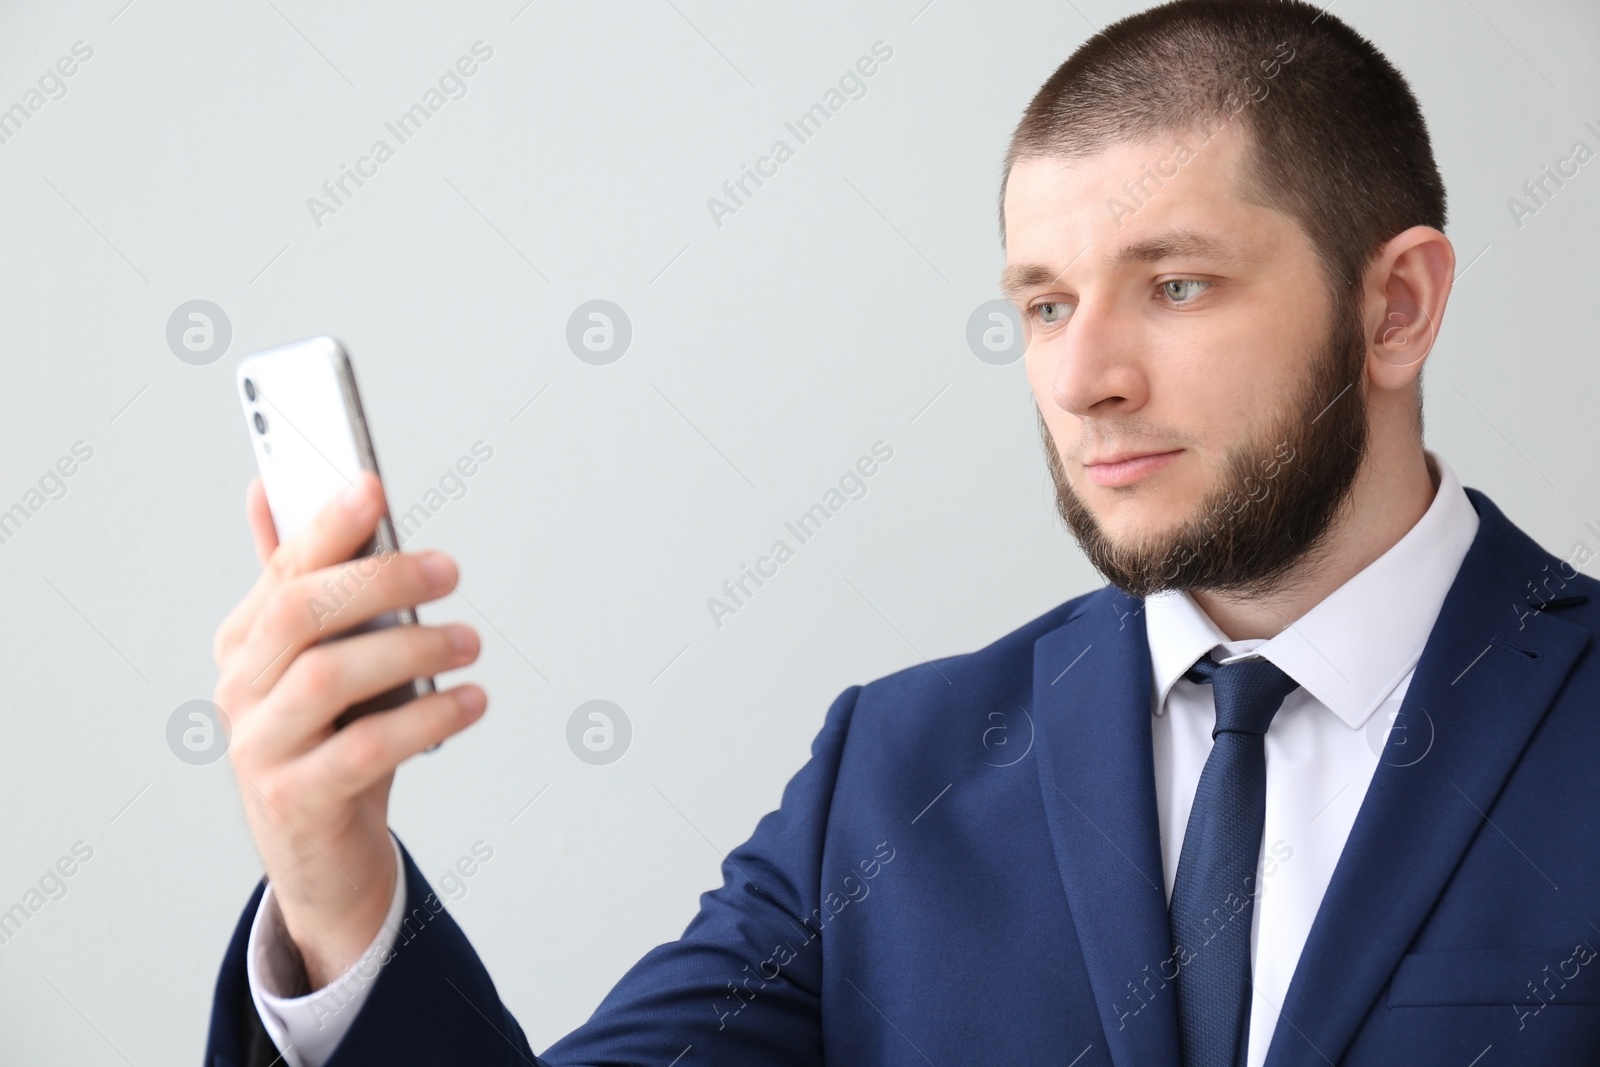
(306, 442)
(305, 421)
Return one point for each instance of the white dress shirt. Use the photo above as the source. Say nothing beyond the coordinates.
(1353, 655)
(307, 1029)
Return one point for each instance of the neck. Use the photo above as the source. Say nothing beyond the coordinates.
(1392, 491)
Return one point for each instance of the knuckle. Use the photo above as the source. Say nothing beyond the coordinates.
(314, 671)
(365, 752)
(281, 565)
(230, 632)
(233, 690)
(242, 749)
(276, 791)
(284, 610)
(226, 693)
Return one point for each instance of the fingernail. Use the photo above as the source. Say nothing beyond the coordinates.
(436, 567)
(351, 497)
(462, 639)
(470, 700)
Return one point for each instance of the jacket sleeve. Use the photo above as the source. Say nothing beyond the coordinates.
(740, 986)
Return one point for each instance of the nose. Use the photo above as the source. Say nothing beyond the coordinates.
(1091, 367)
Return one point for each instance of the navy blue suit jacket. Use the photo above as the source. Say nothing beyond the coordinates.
(968, 870)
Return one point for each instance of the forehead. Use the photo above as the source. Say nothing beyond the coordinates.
(1134, 201)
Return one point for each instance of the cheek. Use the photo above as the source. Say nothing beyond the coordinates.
(1063, 431)
(1039, 363)
(1033, 360)
(1228, 384)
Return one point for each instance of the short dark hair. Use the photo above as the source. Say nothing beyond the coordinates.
(1336, 139)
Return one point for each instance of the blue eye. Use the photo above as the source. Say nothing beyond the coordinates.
(1052, 311)
(1177, 297)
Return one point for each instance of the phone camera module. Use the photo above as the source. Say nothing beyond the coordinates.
(261, 423)
(249, 389)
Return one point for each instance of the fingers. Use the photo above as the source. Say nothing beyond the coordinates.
(323, 681)
(310, 608)
(334, 534)
(233, 628)
(367, 750)
(262, 529)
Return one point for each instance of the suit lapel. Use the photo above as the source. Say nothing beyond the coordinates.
(1091, 691)
(1479, 692)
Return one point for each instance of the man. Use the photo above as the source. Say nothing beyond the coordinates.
(1310, 781)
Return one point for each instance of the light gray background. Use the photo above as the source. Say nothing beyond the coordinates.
(768, 355)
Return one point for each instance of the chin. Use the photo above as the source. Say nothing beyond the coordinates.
(1151, 502)
(1140, 531)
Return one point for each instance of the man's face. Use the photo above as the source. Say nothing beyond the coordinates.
(1214, 351)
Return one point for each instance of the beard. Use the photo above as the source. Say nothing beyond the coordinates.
(1274, 503)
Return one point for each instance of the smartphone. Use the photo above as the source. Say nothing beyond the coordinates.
(304, 418)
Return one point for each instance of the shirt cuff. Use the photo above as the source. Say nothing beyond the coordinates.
(308, 1028)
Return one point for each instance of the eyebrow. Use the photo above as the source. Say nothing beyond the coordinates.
(1170, 245)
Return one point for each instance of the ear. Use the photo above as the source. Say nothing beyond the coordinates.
(1407, 287)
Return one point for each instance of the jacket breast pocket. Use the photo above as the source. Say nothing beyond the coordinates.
(1497, 976)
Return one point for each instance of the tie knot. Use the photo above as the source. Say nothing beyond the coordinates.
(1247, 692)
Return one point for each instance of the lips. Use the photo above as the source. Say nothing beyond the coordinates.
(1124, 468)
(1123, 457)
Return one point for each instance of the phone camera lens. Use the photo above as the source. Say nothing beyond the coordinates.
(249, 389)
(261, 423)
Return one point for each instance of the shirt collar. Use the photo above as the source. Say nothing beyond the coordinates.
(1358, 643)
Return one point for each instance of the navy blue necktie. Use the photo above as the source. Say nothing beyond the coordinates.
(1214, 894)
